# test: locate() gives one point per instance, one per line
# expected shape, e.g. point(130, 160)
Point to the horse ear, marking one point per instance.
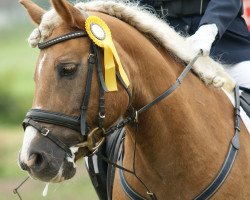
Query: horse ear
point(34, 10)
point(71, 15)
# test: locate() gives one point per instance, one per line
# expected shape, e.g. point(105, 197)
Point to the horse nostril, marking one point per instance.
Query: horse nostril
point(36, 161)
point(23, 166)
point(39, 160)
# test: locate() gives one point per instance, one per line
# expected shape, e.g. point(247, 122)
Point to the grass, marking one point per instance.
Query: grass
point(17, 65)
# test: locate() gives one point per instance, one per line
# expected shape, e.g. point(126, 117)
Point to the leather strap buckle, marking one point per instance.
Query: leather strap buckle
point(102, 116)
point(91, 58)
point(46, 132)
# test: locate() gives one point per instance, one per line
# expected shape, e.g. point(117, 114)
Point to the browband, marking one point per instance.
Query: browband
point(71, 35)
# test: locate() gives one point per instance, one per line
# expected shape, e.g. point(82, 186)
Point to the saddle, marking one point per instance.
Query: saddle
point(245, 100)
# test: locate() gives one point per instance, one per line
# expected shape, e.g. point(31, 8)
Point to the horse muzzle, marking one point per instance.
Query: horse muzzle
point(43, 160)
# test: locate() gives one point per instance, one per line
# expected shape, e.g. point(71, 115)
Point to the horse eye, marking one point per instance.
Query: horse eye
point(67, 69)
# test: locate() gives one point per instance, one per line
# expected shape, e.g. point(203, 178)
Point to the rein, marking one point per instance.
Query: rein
point(78, 123)
point(165, 94)
point(217, 182)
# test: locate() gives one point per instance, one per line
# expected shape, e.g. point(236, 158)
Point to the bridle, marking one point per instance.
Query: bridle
point(78, 123)
point(36, 116)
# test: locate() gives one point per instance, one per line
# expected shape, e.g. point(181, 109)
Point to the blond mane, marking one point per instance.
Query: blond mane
point(144, 20)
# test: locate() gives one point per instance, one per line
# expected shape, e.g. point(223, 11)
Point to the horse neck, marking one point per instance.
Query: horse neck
point(180, 132)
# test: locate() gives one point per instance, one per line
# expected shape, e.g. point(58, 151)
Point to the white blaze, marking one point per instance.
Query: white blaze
point(29, 135)
point(40, 66)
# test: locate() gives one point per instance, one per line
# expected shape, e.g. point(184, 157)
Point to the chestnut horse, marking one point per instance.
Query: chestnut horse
point(182, 141)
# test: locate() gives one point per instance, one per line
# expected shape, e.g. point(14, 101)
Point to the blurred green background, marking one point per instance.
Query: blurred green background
point(17, 65)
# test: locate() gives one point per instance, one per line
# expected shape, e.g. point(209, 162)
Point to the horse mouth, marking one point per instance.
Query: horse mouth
point(65, 172)
point(68, 171)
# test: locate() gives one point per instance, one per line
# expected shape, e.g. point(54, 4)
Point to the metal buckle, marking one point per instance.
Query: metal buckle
point(46, 133)
point(91, 58)
point(92, 146)
point(95, 149)
point(136, 117)
point(91, 55)
point(101, 116)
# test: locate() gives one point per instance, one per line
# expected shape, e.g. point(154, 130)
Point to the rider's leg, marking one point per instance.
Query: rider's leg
point(241, 73)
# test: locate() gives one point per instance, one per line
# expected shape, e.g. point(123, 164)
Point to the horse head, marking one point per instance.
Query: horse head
point(72, 111)
point(69, 100)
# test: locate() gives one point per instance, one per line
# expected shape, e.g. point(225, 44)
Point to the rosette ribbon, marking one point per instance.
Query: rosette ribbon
point(100, 34)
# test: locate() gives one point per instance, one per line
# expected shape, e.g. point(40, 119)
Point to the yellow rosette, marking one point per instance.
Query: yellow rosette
point(100, 34)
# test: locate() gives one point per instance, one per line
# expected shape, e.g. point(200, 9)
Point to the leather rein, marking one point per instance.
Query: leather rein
point(78, 123)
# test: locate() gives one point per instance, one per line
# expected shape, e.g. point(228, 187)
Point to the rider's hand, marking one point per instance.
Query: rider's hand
point(203, 39)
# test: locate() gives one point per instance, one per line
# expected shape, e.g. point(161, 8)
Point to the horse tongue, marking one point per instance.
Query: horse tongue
point(45, 191)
